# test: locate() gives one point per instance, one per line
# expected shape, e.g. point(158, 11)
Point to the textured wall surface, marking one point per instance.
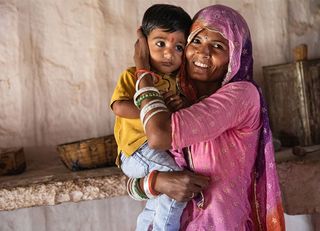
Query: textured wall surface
point(60, 60)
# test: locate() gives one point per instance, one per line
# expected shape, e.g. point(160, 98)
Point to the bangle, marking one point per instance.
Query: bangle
point(152, 114)
point(141, 77)
point(134, 191)
point(153, 95)
point(149, 106)
point(146, 187)
point(151, 182)
point(144, 90)
point(154, 75)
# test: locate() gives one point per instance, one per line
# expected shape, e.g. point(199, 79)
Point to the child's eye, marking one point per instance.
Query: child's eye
point(179, 48)
point(160, 44)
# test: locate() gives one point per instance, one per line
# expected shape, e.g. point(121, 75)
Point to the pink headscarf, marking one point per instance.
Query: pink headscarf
point(267, 196)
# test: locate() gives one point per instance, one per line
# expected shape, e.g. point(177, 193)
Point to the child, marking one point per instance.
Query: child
point(166, 28)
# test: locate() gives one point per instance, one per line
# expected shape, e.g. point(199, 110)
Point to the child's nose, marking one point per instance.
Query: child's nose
point(168, 54)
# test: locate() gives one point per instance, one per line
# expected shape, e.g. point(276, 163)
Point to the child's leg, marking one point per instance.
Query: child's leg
point(167, 211)
point(163, 211)
point(144, 160)
point(146, 217)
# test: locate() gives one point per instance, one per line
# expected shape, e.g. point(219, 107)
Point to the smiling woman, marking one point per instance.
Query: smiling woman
point(224, 136)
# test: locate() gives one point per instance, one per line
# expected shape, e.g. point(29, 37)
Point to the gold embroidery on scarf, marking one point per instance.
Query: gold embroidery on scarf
point(256, 201)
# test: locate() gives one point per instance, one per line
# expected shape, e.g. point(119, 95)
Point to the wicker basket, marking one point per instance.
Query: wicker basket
point(89, 153)
point(12, 161)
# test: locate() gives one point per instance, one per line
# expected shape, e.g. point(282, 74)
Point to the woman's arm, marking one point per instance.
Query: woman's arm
point(181, 185)
point(158, 129)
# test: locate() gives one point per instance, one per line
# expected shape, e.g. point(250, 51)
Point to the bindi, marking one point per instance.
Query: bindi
point(171, 38)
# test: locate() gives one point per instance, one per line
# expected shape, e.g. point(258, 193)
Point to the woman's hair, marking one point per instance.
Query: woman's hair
point(170, 18)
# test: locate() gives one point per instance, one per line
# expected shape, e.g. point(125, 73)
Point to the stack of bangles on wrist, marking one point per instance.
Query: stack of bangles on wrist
point(136, 193)
point(154, 106)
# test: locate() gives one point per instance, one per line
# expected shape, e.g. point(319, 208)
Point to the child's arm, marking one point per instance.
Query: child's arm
point(125, 109)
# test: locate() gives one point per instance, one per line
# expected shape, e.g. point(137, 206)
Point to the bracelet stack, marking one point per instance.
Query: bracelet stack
point(136, 193)
point(148, 185)
point(155, 106)
point(134, 190)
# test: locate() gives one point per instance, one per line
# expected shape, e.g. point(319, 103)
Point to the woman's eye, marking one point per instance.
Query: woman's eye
point(160, 44)
point(179, 48)
point(218, 46)
point(196, 41)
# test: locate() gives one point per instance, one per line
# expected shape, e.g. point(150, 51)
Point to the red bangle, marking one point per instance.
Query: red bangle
point(151, 182)
point(155, 77)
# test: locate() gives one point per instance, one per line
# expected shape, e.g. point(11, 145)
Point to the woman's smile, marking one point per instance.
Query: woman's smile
point(200, 64)
point(207, 56)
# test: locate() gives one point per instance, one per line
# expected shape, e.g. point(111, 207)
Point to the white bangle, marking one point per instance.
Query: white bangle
point(143, 90)
point(150, 105)
point(141, 77)
point(146, 187)
point(132, 190)
point(149, 117)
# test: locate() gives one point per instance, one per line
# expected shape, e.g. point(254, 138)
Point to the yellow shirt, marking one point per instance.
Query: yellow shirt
point(129, 133)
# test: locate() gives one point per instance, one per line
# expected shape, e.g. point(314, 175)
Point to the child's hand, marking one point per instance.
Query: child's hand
point(174, 102)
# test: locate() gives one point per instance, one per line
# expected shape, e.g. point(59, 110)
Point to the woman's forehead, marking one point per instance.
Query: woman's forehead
point(210, 34)
point(213, 32)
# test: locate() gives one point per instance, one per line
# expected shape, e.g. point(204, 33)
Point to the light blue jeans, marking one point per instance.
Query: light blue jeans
point(161, 213)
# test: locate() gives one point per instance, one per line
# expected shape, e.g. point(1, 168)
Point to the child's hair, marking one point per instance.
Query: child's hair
point(170, 18)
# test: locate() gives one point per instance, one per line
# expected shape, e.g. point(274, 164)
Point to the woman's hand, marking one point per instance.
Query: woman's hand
point(141, 52)
point(181, 185)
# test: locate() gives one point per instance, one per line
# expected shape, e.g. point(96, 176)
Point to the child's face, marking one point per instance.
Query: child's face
point(166, 50)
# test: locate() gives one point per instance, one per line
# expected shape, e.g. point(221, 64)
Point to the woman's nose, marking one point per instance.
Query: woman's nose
point(204, 50)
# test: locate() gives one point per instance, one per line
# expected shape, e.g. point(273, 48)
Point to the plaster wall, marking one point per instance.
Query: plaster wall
point(60, 60)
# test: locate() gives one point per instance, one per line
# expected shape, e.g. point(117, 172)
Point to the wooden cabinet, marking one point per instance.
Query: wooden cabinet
point(293, 97)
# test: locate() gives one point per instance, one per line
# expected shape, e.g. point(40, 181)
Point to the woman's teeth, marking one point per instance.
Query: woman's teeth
point(198, 64)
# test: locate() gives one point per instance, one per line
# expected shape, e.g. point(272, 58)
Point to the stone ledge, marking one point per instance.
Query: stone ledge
point(53, 193)
point(48, 182)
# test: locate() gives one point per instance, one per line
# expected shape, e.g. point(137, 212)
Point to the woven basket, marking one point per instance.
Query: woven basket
point(89, 153)
point(12, 161)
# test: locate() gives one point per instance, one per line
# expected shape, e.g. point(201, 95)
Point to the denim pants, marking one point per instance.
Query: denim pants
point(161, 213)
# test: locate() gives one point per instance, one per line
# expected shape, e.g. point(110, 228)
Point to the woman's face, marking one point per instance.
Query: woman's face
point(207, 57)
